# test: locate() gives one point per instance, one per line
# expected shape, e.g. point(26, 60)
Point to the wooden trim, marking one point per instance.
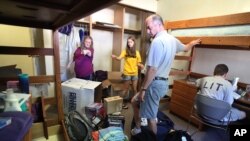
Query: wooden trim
point(178, 57)
point(192, 54)
point(42, 79)
point(25, 50)
point(223, 47)
point(118, 36)
point(239, 41)
point(33, 79)
point(49, 101)
point(65, 132)
point(233, 19)
point(179, 72)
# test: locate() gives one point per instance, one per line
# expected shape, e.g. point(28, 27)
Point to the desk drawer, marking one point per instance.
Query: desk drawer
point(184, 90)
point(186, 103)
point(188, 94)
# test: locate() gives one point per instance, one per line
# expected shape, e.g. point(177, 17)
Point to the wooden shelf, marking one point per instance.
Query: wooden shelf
point(103, 27)
point(132, 31)
point(237, 41)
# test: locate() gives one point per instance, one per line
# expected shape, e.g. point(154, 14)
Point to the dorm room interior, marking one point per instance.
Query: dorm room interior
point(31, 44)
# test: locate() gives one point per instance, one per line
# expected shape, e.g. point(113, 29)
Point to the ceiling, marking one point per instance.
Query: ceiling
point(48, 14)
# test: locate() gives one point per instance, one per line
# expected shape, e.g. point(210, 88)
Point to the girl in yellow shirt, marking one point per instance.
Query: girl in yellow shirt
point(132, 60)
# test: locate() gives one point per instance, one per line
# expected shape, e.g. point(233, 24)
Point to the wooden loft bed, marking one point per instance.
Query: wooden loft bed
point(46, 14)
point(227, 42)
point(239, 42)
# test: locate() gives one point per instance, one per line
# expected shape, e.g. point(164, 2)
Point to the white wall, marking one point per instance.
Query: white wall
point(150, 5)
point(206, 59)
point(188, 9)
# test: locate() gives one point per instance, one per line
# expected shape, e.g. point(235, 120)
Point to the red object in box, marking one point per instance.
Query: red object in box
point(94, 109)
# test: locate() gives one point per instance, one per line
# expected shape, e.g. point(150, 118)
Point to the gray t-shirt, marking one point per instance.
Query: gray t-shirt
point(162, 52)
point(216, 87)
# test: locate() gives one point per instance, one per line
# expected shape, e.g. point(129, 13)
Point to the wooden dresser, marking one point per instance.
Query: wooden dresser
point(182, 99)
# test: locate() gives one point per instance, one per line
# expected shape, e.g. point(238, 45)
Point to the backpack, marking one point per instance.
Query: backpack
point(164, 125)
point(78, 126)
point(101, 75)
point(36, 110)
point(178, 135)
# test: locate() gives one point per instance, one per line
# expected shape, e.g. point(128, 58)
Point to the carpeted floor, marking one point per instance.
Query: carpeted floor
point(208, 134)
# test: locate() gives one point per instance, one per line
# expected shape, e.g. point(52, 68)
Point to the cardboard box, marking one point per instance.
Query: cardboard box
point(78, 93)
point(115, 76)
point(113, 104)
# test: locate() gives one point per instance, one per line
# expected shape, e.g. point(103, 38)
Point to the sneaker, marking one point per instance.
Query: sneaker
point(144, 122)
point(156, 119)
point(135, 131)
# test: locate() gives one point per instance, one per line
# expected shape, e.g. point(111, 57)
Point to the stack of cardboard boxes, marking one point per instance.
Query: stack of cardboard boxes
point(82, 95)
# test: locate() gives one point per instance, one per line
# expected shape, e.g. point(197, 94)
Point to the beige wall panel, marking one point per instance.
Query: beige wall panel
point(20, 36)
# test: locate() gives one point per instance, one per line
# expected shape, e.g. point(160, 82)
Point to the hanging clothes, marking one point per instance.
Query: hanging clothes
point(81, 34)
point(66, 29)
point(68, 44)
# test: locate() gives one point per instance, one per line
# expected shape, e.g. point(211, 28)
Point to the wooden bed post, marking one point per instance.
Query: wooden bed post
point(58, 89)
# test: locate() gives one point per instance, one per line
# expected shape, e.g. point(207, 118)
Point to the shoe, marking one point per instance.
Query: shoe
point(135, 131)
point(144, 122)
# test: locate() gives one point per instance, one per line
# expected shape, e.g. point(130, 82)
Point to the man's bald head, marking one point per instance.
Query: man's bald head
point(154, 24)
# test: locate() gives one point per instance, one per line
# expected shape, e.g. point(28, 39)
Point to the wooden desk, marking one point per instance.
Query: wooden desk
point(243, 103)
point(244, 100)
point(182, 100)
